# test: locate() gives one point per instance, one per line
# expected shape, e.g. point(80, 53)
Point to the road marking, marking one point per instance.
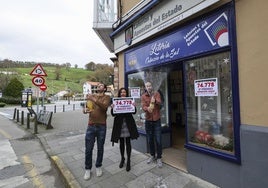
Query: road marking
point(7, 155)
point(13, 181)
point(4, 114)
point(8, 116)
point(5, 134)
point(8, 158)
point(33, 173)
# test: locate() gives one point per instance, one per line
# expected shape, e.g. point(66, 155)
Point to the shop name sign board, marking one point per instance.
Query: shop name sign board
point(165, 15)
point(123, 105)
point(166, 11)
point(206, 87)
point(202, 36)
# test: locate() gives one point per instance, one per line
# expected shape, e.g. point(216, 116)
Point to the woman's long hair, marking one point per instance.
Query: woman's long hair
point(119, 91)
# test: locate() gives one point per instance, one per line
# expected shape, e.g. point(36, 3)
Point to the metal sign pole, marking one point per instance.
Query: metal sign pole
point(43, 94)
point(37, 100)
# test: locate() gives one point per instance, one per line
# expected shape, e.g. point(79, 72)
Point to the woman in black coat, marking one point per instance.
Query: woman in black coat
point(124, 129)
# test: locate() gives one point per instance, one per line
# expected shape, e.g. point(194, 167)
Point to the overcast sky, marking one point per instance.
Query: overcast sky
point(52, 31)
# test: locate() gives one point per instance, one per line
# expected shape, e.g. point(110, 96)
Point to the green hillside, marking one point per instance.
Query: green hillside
point(72, 78)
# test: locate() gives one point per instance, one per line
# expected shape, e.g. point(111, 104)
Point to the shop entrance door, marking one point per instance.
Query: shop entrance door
point(177, 111)
point(176, 154)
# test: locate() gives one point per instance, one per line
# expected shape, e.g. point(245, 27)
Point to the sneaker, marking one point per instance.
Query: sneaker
point(98, 172)
point(159, 163)
point(150, 160)
point(87, 175)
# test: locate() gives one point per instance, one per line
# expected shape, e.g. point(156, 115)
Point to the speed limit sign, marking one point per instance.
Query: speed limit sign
point(38, 81)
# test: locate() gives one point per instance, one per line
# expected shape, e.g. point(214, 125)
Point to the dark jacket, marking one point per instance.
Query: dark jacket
point(118, 121)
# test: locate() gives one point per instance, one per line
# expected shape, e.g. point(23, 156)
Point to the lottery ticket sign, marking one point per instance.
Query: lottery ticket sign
point(135, 92)
point(123, 105)
point(206, 87)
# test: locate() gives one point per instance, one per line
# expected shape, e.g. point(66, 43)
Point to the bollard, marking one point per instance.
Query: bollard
point(63, 108)
point(73, 107)
point(18, 115)
point(22, 117)
point(35, 125)
point(28, 120)
point(55, 108)
point(45, 108)
point(49, 126)
point(14, 114)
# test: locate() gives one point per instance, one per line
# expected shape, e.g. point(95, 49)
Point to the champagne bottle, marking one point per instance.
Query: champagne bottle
point(151, 105)
point(90, 106)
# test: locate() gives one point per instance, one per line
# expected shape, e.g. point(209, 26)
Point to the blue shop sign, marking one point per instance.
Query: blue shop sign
point(202, 36)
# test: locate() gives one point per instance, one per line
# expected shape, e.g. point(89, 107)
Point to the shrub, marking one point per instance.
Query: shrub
point(14, 101)
point(2, 104)
point(13, 88)
point(10, 100)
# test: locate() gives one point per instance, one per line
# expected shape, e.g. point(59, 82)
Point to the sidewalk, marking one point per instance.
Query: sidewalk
point(65, 146)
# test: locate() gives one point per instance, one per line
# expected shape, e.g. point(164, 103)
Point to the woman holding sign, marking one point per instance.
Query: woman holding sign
point(124, 128)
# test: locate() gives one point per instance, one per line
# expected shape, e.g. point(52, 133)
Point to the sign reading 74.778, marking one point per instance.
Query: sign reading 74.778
point(123, 105)
point(206, 87)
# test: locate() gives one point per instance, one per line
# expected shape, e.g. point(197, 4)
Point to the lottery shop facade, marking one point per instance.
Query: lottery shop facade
point(195, 60)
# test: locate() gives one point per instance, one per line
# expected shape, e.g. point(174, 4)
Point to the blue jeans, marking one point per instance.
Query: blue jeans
point(154, 135)
point(94, 131)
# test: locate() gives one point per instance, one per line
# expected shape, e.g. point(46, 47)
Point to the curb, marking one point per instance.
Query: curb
point(69, 179)
point(67, 176)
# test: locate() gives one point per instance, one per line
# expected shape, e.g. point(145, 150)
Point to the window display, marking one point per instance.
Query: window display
point(209, 102)
point(136, 88)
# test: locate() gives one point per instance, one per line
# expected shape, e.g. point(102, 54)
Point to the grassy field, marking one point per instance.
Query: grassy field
point(72, 78)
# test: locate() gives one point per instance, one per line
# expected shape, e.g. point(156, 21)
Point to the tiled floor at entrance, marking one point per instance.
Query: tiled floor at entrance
point(175, 157)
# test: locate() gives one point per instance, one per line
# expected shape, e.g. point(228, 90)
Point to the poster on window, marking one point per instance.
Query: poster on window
point(135, 92)
point(206, 87)
point(123, 105)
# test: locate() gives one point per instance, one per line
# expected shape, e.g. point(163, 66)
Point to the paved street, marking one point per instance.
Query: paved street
point(65, 146)
point(58, 106)
point(23, 160)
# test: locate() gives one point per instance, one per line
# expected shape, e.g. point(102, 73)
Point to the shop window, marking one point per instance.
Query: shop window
point(136, 82)
point(209, 103)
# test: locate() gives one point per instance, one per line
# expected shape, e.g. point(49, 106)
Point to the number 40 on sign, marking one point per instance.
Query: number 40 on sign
point(38, 81)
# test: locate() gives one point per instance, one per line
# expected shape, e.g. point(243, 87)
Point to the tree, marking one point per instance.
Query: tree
point(4, 80)
point(14, 88)
point(90, 66)
point(103, 74)
point(68, 66)
point(57, 72)
point(92, 78)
